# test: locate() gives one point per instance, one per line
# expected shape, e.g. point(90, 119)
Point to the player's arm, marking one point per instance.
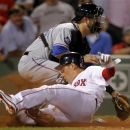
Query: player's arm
point(107, 73)
point(89, 58)
point(110, 64)
point(61, 43)
point(99, 59)
point(109, 70)
point(111, 91)
point(58, 50)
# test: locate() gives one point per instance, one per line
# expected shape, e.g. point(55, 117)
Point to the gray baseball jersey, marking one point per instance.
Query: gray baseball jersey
point(37, 62)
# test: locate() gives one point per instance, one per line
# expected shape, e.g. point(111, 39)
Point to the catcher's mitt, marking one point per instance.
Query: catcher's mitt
point(122, 107)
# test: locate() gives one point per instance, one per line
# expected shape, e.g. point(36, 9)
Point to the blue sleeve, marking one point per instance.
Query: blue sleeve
point(57, 50)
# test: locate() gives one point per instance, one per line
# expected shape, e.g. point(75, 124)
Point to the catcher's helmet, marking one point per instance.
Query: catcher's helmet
point(72, 57)
point(89, 10)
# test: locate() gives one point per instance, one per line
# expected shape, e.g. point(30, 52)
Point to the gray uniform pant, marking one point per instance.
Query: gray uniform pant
point(35, 66)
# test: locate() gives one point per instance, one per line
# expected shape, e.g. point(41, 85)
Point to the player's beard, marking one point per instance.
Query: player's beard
point(95, 27)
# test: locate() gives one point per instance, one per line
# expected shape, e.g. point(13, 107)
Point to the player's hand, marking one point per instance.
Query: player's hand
point(115, 94)
point(91, 59)
point(104, 58)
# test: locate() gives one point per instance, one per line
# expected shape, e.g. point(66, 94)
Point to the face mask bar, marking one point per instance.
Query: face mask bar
point(98, 20)
point(98, 24)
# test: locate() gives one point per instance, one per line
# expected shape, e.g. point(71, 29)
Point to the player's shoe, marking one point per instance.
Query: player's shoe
point(7, 101)
point(98, 120)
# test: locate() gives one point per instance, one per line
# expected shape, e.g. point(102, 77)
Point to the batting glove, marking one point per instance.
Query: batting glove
point(104, 58)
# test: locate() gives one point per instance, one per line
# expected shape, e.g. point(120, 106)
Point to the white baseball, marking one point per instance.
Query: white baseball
point(117, 61)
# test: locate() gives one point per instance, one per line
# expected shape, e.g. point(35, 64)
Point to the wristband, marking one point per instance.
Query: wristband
point(109, 89)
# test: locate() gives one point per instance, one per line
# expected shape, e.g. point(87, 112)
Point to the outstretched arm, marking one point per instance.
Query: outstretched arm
point(109, 64)
point(89, 58)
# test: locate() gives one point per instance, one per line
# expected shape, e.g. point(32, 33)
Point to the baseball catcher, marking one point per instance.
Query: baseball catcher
point(40, 59)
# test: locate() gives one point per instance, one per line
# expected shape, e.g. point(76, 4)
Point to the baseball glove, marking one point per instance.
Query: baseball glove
point(122, 107)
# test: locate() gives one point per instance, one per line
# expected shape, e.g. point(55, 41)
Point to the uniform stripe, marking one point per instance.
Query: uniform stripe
point(39, 64)
point(57, 50)
point(55, 88)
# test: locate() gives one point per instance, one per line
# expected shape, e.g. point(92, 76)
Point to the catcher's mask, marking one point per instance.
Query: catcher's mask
point(72, 57)
point(92, 11)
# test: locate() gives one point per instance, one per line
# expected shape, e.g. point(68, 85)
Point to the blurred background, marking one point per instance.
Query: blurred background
point(36, 16)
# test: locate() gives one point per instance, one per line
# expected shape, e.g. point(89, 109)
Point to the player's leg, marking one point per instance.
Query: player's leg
point(58, 115)
point(46, 115)
point(11, 102)
point(23, 99)
point(8, 102)
point(35, 66)
point(42, 72)
point(23, 115)
point(60, 96)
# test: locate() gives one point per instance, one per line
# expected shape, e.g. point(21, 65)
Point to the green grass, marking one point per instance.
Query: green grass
point(64, 128)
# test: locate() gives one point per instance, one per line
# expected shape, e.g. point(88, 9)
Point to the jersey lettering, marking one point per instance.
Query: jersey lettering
point(81, 82)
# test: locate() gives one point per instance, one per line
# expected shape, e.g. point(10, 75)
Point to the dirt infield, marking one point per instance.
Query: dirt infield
point(110, 121)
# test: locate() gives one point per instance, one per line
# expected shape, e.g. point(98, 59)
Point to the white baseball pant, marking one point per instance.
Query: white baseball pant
point(74, 105)
point(50, 109)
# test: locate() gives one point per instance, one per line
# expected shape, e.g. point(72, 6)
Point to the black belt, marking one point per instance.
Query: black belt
point(43, 40)
point(96, 103)
point(26, 53)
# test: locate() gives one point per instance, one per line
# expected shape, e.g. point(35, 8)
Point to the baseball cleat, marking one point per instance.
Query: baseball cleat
point(7, 101)
point(98, 120)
